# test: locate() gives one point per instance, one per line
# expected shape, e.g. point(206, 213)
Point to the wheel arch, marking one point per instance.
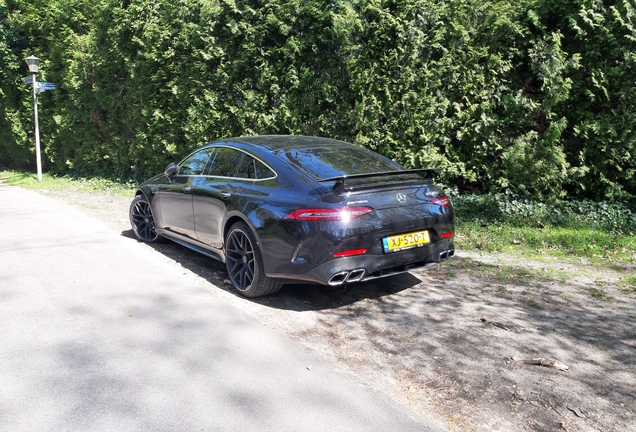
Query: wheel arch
point(141, 191)
point(238, 267)
point(233, 217)
point(147, 193)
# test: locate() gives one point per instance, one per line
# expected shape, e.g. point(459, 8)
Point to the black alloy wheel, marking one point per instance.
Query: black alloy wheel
point(143, 224)
point(245, 264)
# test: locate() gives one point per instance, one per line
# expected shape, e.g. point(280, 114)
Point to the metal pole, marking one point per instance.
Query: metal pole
point(37, 130)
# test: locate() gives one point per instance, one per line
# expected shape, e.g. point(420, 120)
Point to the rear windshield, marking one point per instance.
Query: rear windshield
point(327, 162)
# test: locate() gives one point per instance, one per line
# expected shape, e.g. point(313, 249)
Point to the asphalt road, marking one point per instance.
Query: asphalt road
point(101, 333)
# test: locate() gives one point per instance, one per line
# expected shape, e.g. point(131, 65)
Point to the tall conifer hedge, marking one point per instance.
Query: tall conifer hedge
point(532, 96)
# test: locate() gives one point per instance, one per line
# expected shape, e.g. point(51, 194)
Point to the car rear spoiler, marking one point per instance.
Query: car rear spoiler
point(339, 185)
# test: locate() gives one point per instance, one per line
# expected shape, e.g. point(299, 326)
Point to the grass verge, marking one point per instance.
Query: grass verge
point(49, 182)
point(559, 243)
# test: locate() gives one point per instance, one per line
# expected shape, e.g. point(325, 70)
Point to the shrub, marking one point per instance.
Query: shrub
point(567, 213)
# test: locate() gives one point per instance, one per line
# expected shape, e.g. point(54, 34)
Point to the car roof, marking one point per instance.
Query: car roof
point(286, 142)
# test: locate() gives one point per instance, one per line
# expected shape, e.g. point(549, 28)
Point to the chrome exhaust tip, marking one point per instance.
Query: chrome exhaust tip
point(356, 275)
point(443, 256)
point(338, 278)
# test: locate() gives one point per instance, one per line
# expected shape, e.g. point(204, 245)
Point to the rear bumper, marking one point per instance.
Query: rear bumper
point(366, 267)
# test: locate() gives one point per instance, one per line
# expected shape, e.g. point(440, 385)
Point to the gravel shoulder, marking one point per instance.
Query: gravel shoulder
point(458, 342)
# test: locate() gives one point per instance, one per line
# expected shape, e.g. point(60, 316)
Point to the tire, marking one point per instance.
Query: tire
point(142, 220)
point(244, 263)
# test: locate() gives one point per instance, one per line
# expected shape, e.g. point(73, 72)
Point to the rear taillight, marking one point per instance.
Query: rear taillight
point(441, 200)
point(447, 234)
point(328, 214)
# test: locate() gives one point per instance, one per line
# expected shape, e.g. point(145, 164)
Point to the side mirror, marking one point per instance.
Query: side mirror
point(170, 171)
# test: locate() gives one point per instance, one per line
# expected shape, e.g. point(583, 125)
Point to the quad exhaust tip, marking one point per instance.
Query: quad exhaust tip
point(443, 256)
point(358, 274)
point(338, 278)
point(355, 275)
point(346, 276)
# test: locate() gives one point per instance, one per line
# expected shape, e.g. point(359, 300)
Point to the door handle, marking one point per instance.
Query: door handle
point(186, 189)
point(224, 195)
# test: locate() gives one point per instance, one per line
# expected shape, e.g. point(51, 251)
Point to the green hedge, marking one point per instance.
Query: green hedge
point(533, 97)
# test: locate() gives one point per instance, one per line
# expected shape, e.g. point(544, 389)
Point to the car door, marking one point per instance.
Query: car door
point(213, 194)
point(175, 197)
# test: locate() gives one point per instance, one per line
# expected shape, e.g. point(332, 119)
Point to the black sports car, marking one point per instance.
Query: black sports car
point(282, 209)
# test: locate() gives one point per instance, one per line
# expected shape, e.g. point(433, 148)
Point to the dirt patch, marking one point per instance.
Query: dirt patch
point(450, 342)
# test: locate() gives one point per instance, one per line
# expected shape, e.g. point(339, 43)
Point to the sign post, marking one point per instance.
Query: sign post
point(38, 155)
point(38, 87)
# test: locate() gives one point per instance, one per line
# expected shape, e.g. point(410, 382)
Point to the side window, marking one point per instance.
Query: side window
point(251, 168)
point(262, 171)
point(225, 163)
point(246, 169)
point(195, 163)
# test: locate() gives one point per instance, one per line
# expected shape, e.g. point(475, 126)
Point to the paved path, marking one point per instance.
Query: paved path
point(101, 333)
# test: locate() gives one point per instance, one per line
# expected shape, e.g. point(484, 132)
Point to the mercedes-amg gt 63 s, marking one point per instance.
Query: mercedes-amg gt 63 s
point(290, 209)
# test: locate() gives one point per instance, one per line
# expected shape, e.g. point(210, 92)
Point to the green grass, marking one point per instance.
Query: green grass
point(49, 182)
point(507, 273)
point(559, 275)
point(597, 293)
point(554, 242)
point(499, 275)
point(629, 284)
point(533, 304)
point(630, 280)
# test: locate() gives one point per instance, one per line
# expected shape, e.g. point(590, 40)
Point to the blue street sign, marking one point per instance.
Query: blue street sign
point(41, 86)
point(27, 80)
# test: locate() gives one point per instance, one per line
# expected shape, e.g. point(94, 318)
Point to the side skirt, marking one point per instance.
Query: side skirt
point(198, 247)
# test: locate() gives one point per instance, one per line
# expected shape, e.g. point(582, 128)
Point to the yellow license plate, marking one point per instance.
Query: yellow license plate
point(405, 241)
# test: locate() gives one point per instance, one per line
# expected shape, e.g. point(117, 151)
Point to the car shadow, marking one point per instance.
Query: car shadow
point(295, 297)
